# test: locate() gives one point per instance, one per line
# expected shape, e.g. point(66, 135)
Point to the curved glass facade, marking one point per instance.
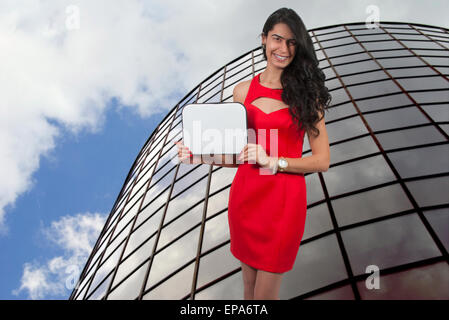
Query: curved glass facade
point(382, 205)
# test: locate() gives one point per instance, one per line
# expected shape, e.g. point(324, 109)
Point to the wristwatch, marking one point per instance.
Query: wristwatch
point(282, 164)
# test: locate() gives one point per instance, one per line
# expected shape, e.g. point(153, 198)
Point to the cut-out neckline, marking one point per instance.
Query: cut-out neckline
point(268, 112)
point(259, 84)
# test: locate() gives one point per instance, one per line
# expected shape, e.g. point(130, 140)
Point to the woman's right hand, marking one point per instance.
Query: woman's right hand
point(184, 154)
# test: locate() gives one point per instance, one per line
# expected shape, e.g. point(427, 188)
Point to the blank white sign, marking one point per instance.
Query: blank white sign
point(214, 128)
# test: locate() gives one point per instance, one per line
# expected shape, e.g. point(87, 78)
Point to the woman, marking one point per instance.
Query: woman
point(267, 212)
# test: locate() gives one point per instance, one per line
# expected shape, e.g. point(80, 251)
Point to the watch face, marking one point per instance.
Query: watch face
point(282, 163)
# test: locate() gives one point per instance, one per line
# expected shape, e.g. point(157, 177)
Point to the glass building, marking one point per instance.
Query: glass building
point(378, 217)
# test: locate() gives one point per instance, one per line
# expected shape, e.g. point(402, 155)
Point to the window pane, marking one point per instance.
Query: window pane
point(423, 83)
point(445, 127)
point(368, 76)
point(352, 149)
point(388, 243)
point(344, 129)
point(421, 161)
point(411, 72)
point(390, 53)
point(409, 36)
point(157, 187)
point(330, 33)
point(221, 178)
point(144, 232)
point(328, 72)
point(317, 221)
point(344, 293)
point(337, 51)
point(311, 270)
point(175, 288)
point(100, 291)
point(216, 231)
point(357, 175)
point(184, 201)
point(398, 286)
point(362, 29)
point(431, 52)
point(130, 288)
point(218, 202)
point(420, 44)
point(438, 112)
point(340, 112)
point(430, 192)
point(185, 182)
point(333, 84)
point(174, 229)
point(370, 204)
point(373, 37)
point(396, 118)
point(373, 89)
point(350, 58)
point(230, 288)
point(410, 137)
point(439, 220)
point(216, 264)
point(105, 269)
point(157, 204)
point(356, 67)
point(395, 100)
point(343, 38)
point(314, 190)
point(154, 195)
point(130, 263)
point(173, 257)
point(435, 96)
point(382, 45)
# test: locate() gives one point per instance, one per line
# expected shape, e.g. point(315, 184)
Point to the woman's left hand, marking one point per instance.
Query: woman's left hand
point(255, 153)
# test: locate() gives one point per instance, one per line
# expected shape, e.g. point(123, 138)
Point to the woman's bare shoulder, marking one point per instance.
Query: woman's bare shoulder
point(241, 90)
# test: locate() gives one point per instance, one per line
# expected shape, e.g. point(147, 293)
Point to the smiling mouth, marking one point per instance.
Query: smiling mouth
point(280, 58)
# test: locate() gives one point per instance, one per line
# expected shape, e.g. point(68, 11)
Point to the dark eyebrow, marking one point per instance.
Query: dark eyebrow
point(276, 35)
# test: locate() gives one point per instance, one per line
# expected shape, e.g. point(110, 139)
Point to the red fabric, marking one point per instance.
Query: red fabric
point(267, 213)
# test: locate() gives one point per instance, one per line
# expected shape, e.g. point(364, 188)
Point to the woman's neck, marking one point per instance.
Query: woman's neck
point(271, 77)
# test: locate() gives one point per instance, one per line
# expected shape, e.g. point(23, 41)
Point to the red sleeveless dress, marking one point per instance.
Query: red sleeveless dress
point(266, 212)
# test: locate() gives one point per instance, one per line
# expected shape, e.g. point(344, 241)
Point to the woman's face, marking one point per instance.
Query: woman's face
point(279, 45)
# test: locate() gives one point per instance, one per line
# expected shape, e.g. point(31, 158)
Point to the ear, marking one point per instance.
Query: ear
point(264, 39)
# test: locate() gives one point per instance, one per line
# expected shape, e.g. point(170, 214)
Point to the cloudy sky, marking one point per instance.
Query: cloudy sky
point(84, 83)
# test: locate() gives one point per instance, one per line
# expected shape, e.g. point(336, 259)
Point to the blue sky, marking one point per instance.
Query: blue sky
point(84, 84)
point(84, 173)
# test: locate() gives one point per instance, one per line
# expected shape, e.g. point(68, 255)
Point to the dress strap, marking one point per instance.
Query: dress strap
point(256, 90)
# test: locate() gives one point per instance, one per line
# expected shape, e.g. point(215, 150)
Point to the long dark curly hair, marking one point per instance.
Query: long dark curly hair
point(302, 80)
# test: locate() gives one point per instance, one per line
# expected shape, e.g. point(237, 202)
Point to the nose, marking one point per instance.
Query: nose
point(284, 46)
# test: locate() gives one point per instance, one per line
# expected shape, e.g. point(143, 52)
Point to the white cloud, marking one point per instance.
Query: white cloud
point(147, 54)
point(75, 236)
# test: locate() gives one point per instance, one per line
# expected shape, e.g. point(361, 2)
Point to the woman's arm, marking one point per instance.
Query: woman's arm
point(319, 161)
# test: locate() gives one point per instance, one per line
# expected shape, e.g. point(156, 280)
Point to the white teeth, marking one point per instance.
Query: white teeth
point(280, 57)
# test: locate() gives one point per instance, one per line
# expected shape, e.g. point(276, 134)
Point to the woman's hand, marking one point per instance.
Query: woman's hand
point(255, 153)
point(184, 154)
